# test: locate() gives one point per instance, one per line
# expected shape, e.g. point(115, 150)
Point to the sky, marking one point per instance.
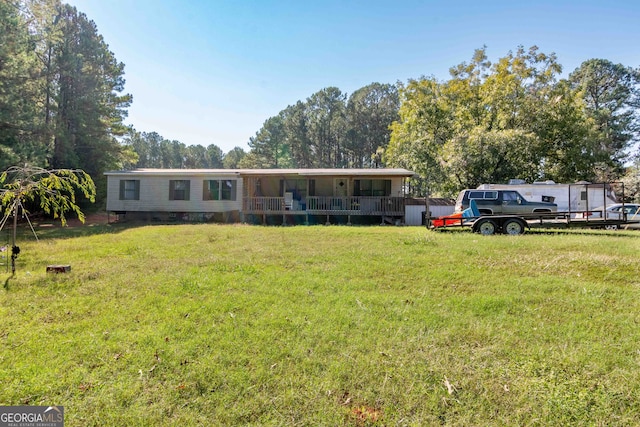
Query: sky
point(212, 72)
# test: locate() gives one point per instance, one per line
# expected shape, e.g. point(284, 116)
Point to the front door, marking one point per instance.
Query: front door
point(340, 187)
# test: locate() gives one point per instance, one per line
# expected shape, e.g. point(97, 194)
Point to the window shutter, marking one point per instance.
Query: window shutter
point(137, 190)
point(233, 189)
point(206, 193)
point(122, 181)
point(312, 187)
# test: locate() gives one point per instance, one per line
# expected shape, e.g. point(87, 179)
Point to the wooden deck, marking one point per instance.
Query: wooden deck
point(387, 209)
point(372, 206)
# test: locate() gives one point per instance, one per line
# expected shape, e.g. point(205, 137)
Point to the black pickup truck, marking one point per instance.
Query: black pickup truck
point(495, 202)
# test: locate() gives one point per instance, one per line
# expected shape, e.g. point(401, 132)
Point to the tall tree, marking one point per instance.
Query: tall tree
point(327, 126)
point(269, 146)
point(370, 112)
point(493, 122)
point(612, 96)
point(173, 154)
point(20, 126)
point(233, 158)
point(195, 157)
point(296, 130)
point(214, 157)
point(147, 147)
point(631, 180)
point(90, 109)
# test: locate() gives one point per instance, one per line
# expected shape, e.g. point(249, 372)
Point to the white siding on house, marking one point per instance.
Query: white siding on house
point(154, 194)
point(153, 186)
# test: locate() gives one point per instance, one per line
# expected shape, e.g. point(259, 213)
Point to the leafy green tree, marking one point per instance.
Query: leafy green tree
point(90, 110)
point(492, 122)
point(612, 96)
point(370, 111)
point(233, 158)
point(296, 130)
point(54, 190)
point(20, 125)
point(631, 180)
point(214, 157)
point(566, 136)
point(426, 123)
point(195, 157)
point(151, 150)
point(327, 127)
point(147, 148)
point(172, 154)
point(250, 161)
point(269, 147)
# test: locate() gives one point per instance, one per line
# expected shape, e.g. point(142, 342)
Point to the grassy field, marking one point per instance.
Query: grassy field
point(323, 326)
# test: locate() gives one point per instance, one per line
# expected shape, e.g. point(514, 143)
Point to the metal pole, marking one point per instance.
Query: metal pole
point(427, 204)
point(14, 249)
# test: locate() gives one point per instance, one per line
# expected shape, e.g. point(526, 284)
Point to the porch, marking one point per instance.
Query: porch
point(389, 209)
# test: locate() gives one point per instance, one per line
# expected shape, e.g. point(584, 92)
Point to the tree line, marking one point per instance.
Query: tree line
point(61, 100)
point(328, 130)
point(154, 151)
point(62, 105)
point(516, 118)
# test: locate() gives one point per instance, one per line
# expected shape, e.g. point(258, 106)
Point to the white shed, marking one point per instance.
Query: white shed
point(415, 209)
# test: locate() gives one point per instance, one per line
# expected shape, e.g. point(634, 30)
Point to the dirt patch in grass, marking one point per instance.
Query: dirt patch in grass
point(98, 218)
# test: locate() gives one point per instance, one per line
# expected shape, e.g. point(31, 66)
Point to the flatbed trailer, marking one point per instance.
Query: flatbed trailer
point(517, 224)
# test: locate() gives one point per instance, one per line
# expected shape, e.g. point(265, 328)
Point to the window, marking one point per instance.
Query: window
point(487, 195)
point(510, 196)
point(179, 189)
point(130, 189)
point(298, 187)
point(372, 187)
point(219, 189)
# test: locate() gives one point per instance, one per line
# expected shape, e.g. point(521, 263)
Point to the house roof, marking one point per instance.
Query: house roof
point(327, 172)
point(266, 172)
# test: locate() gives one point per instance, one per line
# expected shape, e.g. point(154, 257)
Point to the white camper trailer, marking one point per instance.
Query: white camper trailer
point(578, 197)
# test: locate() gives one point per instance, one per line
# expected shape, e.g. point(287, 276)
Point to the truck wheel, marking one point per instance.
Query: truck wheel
point(513, 227)
point(486, 227)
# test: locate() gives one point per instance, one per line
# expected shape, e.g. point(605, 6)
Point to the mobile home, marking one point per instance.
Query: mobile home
point(269, 196)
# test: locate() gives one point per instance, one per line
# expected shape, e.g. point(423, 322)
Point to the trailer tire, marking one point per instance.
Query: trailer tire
point(486, 227)
point(513, 227)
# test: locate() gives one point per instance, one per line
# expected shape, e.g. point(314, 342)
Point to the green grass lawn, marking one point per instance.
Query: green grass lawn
point(323, 326)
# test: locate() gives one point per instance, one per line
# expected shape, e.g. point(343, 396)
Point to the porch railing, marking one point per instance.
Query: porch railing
point(323, 205)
